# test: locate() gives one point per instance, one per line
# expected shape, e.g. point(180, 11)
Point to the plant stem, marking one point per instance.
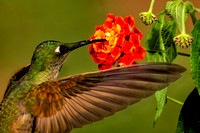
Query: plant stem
point(197, 9)
point(183, 20)
point(179, 53)
point(183, 54)
point(151, 6)
point(193, 17)
point(192, 11)
point(174, 100)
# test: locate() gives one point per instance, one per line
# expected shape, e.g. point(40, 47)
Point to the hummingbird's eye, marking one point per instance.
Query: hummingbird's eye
point(62, 49)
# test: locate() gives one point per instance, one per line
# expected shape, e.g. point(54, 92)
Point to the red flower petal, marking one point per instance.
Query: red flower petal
point(100, 28)
point(98, 46)
point(128, 47)
point(100, 57)
point(109, 60)
point(109, 22)
point(91, 49)
point(104, 66)
point(127, 59)
point(139, 53)
point(130, 20)
point(137, 31)
point(120, 40)
point(93, 37)
point(135, 39)
point(116, 53)
point(111, 15)
point(94, 58)
point(127, 29)
point(120, 21)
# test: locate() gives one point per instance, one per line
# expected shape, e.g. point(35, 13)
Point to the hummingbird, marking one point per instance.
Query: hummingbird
point(36, 101)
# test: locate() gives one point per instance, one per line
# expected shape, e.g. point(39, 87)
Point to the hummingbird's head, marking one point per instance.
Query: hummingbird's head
point(50, 55)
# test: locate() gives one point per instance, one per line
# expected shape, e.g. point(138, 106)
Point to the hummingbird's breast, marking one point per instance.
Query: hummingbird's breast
point(12, 111)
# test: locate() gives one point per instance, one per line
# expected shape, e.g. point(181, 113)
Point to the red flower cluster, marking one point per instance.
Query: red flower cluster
point(122, 45)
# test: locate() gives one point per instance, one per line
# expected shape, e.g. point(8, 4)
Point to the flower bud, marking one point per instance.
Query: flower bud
point(147, 17)
point(183, 40)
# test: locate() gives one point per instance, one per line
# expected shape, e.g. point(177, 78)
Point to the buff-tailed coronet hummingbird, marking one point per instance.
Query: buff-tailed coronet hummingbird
point(36, 101)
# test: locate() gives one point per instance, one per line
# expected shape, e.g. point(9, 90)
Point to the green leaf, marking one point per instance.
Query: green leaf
point(154, 42)
point(195, 55)
point(161, 48)
point(189, 117)
point(190, 7)
point(161, 97)
point(155, 53)
point(178, 11)
point(168, 33)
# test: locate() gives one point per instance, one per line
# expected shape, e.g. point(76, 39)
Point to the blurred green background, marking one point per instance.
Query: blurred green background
point(24, 24)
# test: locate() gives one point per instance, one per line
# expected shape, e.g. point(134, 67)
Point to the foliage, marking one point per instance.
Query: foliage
point(123, 44)
point(161, 44)
point(195, 55)
point(161, 48)
point(189, 117)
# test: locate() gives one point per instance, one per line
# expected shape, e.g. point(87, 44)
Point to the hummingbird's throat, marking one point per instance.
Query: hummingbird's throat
point(42, 76)
point(46, 69)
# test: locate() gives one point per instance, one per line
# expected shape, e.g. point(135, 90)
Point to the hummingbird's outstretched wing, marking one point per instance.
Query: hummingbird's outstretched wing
point(77, 100)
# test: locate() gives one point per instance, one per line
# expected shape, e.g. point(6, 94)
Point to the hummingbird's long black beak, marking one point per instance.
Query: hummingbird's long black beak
point(83, 43)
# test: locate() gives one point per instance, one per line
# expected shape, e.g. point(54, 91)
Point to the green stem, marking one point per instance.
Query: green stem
point(183, 54)
point(174, 100)
point(197, 10)
point(179, 53)
point(183, 19)
point(193, 17)
point(155, 50)
point(192, 11)
point(151, 6)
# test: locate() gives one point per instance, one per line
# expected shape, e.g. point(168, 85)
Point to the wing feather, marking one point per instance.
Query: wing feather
point(77, 100)
point(126, 92)
point(91, 115)
point(95, 109)
point(77, 113)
